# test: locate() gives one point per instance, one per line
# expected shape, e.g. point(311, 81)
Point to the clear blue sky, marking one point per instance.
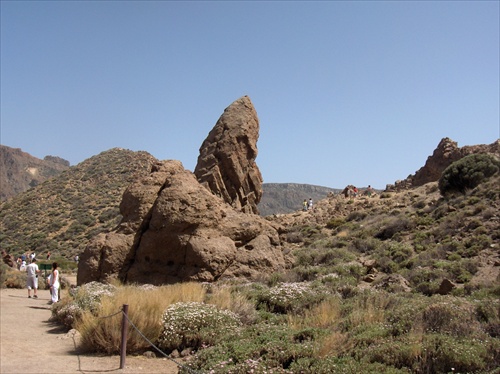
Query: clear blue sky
point(346, 92)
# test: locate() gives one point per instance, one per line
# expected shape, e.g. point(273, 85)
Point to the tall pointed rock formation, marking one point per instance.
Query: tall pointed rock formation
point(226, 164)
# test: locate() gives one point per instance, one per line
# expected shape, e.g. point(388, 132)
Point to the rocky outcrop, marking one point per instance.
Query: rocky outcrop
point(8, 259)
point(226, 164)
point(174, 229)
point(445, 154)
point(19, 171)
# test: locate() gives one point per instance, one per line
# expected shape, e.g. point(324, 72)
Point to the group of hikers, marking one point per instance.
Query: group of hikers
point(350, 192)
point(307, 205)
point(32, 272)
point(27, 262)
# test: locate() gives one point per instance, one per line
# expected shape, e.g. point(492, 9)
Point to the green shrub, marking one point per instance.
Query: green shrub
point(394, 226)
point(4, 268)
point(367, 245)
point(449, 318)
point(445, 354)
point(335, 223)
point(404, 316)
point(262, 348)
point(400, 353)
point(356, 216)
point(467, 173)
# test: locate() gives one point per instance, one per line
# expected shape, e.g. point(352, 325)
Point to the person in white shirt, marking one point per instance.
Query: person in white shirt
point(32, 279)
point(54, 283)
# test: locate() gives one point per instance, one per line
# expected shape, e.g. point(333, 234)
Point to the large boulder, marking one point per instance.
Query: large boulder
point(105, 255)
point(174, 229)
point(226, 164)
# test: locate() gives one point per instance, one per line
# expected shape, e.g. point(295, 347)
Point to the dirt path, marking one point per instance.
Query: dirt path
point(30, 343)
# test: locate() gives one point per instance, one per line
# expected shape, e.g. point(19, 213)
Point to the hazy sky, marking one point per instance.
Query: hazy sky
point(346, 92)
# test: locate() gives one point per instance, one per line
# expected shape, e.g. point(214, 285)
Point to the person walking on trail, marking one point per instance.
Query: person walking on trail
point(369, 190)
point(304, 205)
point(310, 204)
point(54, 283)
point(32, 280)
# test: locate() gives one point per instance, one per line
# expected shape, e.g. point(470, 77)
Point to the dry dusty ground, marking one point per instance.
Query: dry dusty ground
point(30, 343)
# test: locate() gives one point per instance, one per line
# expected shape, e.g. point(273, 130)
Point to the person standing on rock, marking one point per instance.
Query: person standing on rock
point(32, 280)
point(304, 205)
point(310, 204)
point(54, 283)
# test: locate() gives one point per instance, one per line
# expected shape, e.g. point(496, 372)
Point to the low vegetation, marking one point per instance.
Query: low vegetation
point(468, 172)
point(364, 293)
point(361, 332)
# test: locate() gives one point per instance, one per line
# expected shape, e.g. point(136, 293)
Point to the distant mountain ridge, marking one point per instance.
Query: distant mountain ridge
point(288, 197)
point(20, 171)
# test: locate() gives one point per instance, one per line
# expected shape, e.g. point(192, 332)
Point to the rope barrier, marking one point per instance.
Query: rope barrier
point(159, 350)
point(112, 315)
point(121, 311)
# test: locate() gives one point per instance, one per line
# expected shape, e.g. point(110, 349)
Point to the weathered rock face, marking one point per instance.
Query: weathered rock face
point(174, 229)
point(180, 226)
point(226, 164)
point(445, 154)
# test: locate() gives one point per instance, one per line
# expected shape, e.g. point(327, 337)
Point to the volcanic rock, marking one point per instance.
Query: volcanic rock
point(446, 287)
point(444, 155)
point(174, 229)
point(226, 164)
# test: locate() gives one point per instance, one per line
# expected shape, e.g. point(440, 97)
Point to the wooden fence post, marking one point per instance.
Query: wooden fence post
point(123, 346)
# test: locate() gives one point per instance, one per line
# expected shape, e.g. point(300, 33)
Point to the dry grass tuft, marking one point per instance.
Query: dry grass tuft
point(370, 309)
point(225, 298)
point(333, 344)
point(325, 314)
point(146, 307)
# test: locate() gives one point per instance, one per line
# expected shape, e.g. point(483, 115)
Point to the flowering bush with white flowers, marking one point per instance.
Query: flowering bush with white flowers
point(88, 296)
point(286, 297)
point(66, 313)
point(83, 298)
point(194, 324)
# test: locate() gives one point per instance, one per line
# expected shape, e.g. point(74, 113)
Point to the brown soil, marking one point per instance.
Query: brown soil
point(31, 343)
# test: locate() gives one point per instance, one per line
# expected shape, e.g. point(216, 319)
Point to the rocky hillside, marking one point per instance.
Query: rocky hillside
point(288, 197)
point(411, 239)
point(19, 171)
point(62, 213)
